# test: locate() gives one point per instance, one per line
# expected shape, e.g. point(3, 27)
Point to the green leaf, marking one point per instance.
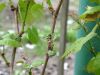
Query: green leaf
point(37, 63)
point(22, 5)
point(75, 27)
point(2, 6)
point(52, 53)
point(40, 48)
point(94, 65)
point(78, 44)
point(49, 2)
point(71, 35)
point(10, 42)
point(24, 38)
point(33, 35)
point(34, 64)
point(37, 11)
point(96, 1)
point(91, 14)
point(8, 35)
point(20, 61)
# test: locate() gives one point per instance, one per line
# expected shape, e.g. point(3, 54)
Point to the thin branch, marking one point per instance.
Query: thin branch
point(5, 59)
point(15, 11)
point(13, 59)
point(45, 65)
point(17, 22)
point(55, 15)
point(19, 34)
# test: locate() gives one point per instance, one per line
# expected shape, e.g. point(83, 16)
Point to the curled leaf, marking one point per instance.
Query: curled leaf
point(91, 14)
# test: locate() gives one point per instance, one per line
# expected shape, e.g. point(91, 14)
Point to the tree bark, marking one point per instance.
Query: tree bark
point(63, 30)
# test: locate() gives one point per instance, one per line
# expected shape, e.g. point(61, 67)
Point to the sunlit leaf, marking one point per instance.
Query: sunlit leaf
point(2, 6)
point(78, 44)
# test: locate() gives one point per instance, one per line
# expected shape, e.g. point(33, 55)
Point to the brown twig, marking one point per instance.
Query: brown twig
point(17, 22)
point(15, 11)
point(19, 34)
point(13, 59)
point(17, 26)
point(45, 65)
point(5, 59)
point(50, 47)
point(55, 15)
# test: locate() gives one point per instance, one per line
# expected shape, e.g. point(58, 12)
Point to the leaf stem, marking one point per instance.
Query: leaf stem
point(23, 25)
